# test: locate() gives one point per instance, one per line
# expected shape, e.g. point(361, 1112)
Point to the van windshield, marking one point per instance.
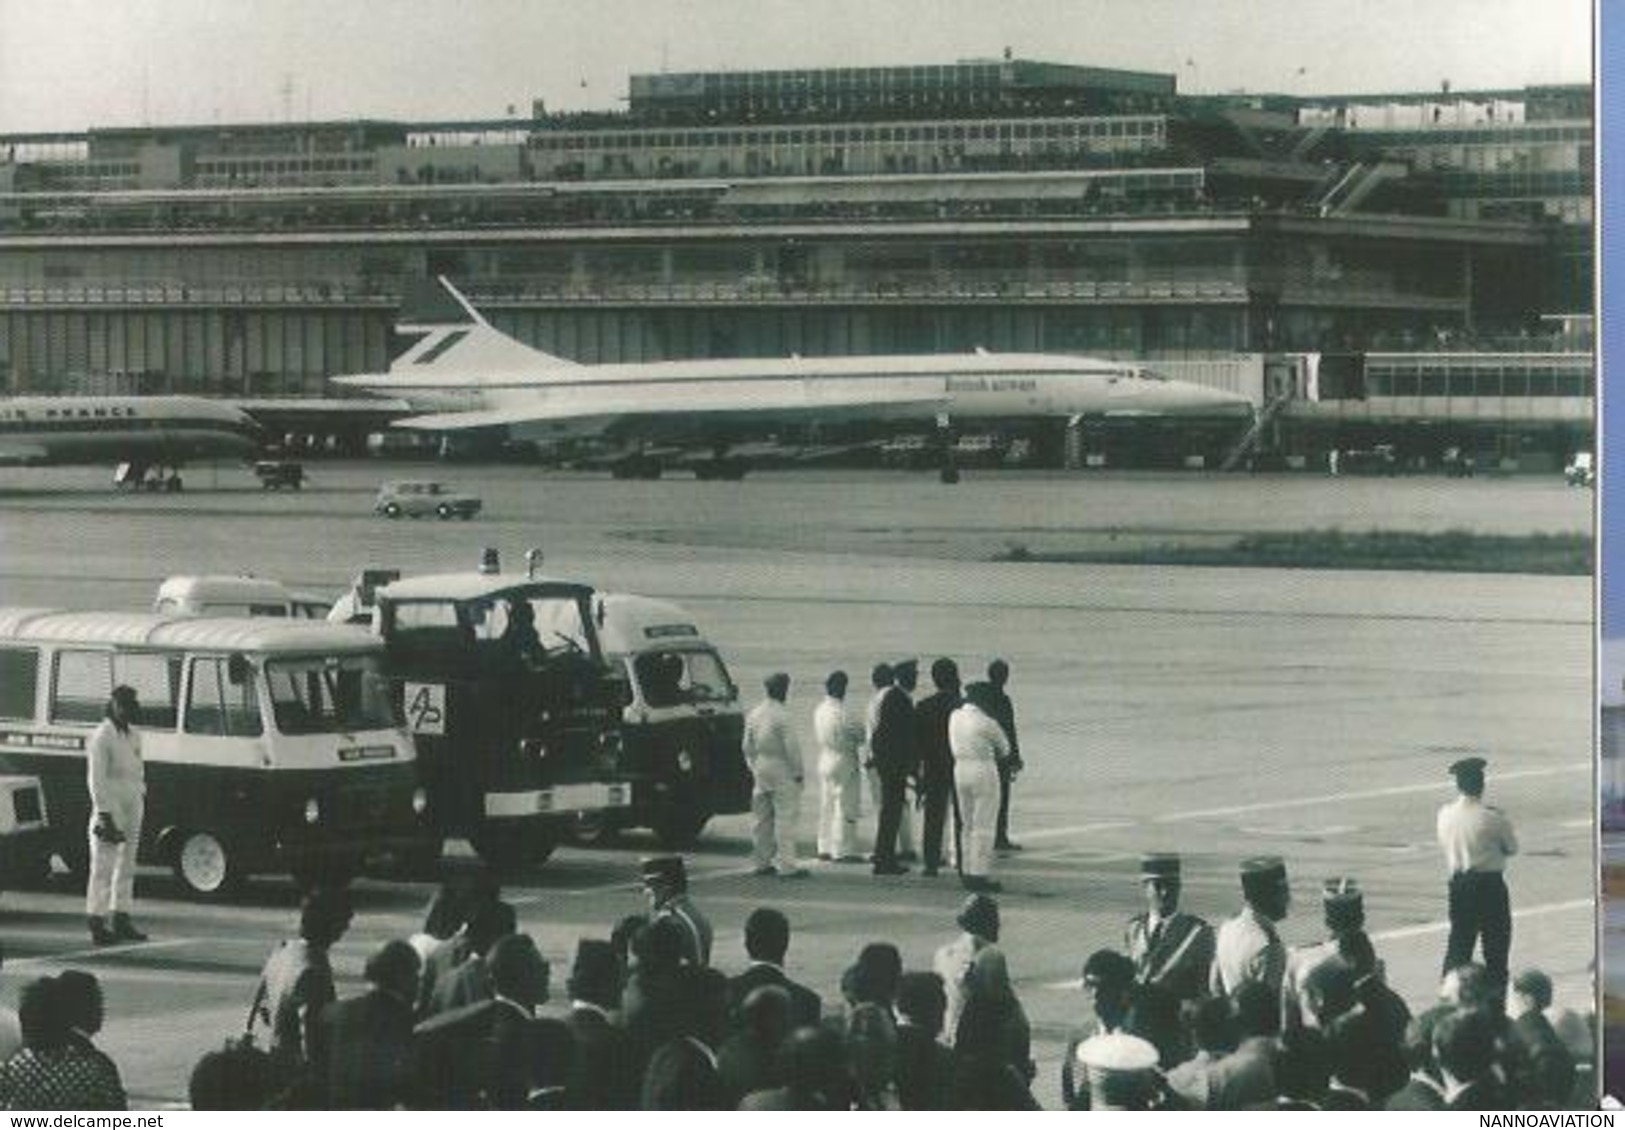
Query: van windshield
point(676, 677)
point(329, 695)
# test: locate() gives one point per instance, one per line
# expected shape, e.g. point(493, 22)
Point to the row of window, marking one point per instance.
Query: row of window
point(307, 696)
point(1149, 127)
point(1505, 383)
point(302, 165)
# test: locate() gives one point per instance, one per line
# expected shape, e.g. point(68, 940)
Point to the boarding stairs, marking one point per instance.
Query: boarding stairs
point(1255, 431)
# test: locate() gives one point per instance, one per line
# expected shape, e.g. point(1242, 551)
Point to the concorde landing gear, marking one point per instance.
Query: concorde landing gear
point(948, 468)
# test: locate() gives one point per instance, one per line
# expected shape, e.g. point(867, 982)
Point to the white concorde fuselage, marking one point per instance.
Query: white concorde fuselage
point(970, 386)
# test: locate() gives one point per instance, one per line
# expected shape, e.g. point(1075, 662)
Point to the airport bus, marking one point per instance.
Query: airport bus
point(682, 727)
point(270, 744)
point(516, 711)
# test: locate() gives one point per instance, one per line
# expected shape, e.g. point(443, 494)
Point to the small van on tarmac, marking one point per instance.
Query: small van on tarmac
point(236, 595)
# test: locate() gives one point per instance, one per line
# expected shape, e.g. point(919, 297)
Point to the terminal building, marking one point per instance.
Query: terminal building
point(1409, 270)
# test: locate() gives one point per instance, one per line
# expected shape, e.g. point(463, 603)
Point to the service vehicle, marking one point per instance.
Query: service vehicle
point(680, 738)
point(270, 745)
point(1581, 471)
point(236, 595)
point(503, 682)
point(274, 474)
point(420, 498)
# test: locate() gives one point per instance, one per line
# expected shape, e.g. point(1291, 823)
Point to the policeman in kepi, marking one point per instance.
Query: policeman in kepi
point(1477, 839)
point(1172, 951)
point(117, 797)
point(665, 881)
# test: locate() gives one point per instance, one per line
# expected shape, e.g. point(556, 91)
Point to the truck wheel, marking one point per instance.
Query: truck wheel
point(680, 826)
point(392, 510)
point(506, 849)
point(445, 512)
point(32, 873)
point(205, 866)
point(593, 830)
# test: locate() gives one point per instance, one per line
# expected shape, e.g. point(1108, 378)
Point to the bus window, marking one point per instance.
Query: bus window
point(315, 696)
point(215, 706)
point(84, 680)
point(156, 681)
point(18, 681)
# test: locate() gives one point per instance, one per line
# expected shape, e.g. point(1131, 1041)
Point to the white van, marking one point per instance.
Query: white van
point(270, 744)
point(236, 595)
point(680, 738)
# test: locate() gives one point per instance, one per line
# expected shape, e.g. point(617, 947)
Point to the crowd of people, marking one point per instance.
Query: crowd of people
point(1180, 1016)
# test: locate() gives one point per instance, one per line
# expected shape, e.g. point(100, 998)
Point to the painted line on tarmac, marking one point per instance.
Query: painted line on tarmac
point(1360, 794)
point(101, 951)
point(629, 885)
point(1078, 829)
point(1294, 802)
point(1443, 927)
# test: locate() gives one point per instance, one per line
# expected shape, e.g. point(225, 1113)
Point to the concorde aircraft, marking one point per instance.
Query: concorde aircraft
point(157, 434)
point(462, 374)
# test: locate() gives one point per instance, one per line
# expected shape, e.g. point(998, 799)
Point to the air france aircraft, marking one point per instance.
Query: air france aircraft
point(148, 433)
point(461, 374)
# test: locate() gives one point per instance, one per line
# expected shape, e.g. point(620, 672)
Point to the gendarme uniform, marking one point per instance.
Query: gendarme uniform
point(1344, 907)
point(670, 871)
point(1247, 947)
point(1477, 839)
point(1172, 952)
point(117, 784)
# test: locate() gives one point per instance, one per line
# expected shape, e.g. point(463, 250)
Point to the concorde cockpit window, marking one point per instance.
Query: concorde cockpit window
point(329, 695)
point(673, 678)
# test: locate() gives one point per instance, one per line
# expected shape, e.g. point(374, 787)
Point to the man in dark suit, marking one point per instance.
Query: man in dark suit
point(364, 1050)
point(892, 747)
point(767, 940)
point(1464, 1048)
point(602, 1075)
point(1004, 712)
point(1541, 1067)
point(469, 982)
point(924, 1066)
point(496, 1054)
point(936, 759)
point(1423, 1090)
point(747, 1061)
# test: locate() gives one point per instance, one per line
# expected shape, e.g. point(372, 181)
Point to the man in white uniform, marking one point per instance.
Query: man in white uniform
point(117, 797)
point(1248, 947)
point(1477, 840)
point(840, 736)
point(774, 757)
point(979, 744)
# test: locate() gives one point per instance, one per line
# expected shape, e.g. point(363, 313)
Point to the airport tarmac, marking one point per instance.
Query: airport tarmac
point(1218, 712)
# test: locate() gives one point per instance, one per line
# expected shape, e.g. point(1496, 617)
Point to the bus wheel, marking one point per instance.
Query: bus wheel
point(680, 826)
point(205, 867)
point(510, 850)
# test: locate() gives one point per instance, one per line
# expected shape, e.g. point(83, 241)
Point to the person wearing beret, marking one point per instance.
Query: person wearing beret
point(1477, 840)
point(1343, 905)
